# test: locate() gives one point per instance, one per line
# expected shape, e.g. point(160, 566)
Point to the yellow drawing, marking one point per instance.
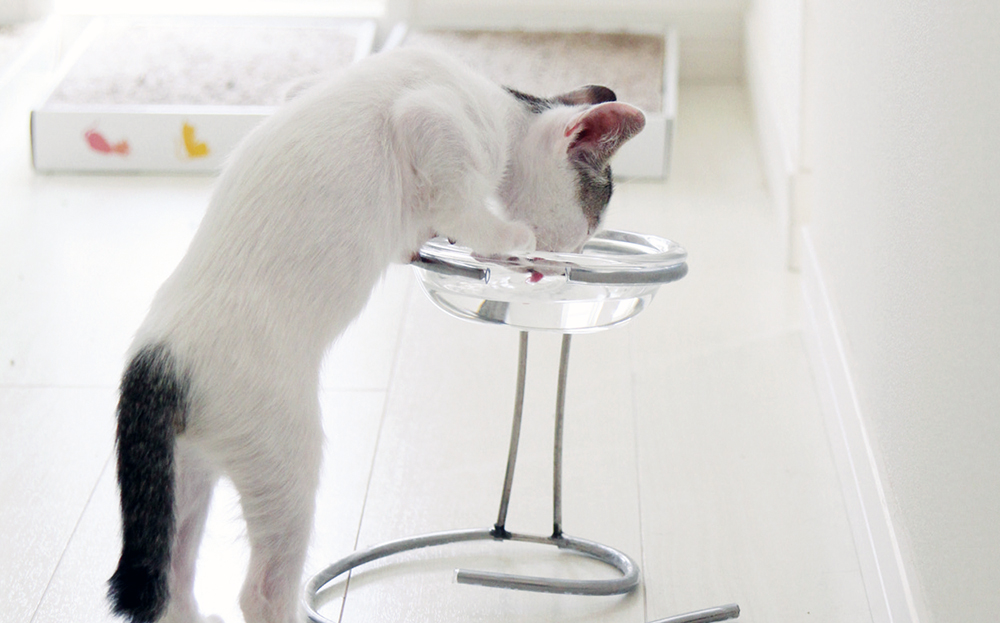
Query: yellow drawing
point(193, 148)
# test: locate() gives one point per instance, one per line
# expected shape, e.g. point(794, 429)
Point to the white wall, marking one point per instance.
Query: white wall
point(773, 56)
point(902, 128)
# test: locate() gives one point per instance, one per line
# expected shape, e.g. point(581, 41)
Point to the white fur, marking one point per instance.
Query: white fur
point(350, 176)
point(536, 190)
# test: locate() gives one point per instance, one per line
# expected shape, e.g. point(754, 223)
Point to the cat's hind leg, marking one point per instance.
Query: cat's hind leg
point(276, 476)
point(195, 481)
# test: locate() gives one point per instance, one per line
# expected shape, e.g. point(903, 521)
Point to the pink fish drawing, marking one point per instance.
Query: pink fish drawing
point(100, 144)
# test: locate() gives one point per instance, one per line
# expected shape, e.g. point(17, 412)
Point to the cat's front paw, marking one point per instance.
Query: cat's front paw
point(519, 239)
point(489, 235)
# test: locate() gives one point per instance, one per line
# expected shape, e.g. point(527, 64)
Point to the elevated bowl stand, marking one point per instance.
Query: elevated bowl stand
point(620, 267)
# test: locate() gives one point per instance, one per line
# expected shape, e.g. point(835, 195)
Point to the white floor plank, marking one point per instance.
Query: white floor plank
point(739, 494)
point(54, 443)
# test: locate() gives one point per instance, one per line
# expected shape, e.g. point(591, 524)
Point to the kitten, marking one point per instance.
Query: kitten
point(352, 175)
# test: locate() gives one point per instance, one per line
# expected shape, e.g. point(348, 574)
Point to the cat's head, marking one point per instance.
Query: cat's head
point(559, 178)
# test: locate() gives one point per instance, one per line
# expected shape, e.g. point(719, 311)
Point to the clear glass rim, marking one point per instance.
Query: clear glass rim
point(610, 256)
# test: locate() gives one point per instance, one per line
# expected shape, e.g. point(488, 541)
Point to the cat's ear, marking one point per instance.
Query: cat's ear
point(590, 94)
point(597, 133)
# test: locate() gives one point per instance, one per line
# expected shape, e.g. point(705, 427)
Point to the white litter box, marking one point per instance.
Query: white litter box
point(178, 94)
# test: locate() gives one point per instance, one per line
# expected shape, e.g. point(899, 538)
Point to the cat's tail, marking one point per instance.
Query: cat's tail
point(151, 411)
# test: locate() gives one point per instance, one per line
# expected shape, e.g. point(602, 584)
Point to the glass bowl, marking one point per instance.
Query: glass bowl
point(611, 279)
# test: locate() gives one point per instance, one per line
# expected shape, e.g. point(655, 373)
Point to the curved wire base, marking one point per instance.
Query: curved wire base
point(608, 555)
point(628, 581)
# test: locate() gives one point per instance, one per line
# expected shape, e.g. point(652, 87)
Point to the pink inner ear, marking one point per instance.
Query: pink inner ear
point(601, 130)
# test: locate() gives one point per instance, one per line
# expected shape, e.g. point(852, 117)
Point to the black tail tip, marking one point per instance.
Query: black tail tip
point(138, 593)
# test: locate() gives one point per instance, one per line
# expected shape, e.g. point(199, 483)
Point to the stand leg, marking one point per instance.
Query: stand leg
point(617, 586)
point(558, 443)
point(499, 531)
point(627, 582)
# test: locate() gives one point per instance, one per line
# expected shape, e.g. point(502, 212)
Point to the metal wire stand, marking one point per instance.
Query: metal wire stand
point(629, 571)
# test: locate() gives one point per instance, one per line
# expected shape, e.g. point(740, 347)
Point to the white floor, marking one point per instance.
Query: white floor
point(694, 440)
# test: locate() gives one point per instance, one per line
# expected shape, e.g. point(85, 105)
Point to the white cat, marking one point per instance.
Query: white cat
point(350, 176)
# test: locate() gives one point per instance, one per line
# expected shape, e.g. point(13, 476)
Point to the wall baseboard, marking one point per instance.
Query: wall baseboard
point(889, 596)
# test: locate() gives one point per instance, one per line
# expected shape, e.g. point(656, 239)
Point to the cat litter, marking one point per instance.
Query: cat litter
point(641, 67)
point(178, 94)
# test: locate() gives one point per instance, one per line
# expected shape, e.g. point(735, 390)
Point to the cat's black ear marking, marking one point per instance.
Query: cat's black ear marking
point(594, 187)
point(535, 104)
point(590, 94)
point(583, 96)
